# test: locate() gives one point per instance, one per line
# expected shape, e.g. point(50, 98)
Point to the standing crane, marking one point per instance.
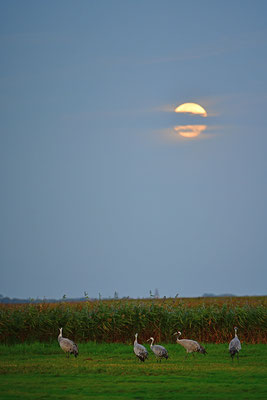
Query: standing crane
point(235, 346)
point(159, 351)
point(139, 350)
point(191, 346)
point(67, 345)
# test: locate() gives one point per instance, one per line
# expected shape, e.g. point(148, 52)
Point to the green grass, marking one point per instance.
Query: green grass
point(111, 371)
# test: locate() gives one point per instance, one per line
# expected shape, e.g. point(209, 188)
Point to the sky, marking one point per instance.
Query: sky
point(99, 192)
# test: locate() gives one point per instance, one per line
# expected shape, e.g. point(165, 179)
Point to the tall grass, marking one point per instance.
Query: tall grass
point(117, 321)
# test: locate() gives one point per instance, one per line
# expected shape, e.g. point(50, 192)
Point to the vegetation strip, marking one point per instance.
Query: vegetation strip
point(205, 320)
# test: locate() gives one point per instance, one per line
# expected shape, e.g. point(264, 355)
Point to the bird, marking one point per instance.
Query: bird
point(234, 346)
point(139, 350)
point(159, 351)
point(67, 345)
point(191, 346)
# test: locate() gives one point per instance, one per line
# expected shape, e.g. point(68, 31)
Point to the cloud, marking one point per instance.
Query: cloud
point(164, 108)
point(190, 131)
point(187, 133)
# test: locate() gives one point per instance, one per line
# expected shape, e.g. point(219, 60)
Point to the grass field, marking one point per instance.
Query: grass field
point(111, 371)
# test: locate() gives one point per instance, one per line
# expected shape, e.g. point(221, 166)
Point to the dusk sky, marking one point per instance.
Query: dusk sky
point(99, 191)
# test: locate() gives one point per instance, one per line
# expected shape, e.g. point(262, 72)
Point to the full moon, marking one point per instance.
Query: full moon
point(191, 108)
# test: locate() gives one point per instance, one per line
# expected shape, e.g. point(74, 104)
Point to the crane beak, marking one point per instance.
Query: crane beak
point(176, 333)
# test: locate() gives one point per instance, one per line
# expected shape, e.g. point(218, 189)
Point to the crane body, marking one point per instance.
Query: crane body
point(191, 346)
point(139, 350)
point(235, 346)
point(159, 351)
point(67, 345)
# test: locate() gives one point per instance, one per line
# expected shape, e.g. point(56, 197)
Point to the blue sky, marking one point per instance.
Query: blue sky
point(98, 193)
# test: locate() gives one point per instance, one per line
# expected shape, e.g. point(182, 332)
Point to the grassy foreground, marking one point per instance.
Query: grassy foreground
point(111, 371)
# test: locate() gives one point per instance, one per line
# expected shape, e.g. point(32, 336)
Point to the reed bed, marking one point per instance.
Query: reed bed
point(204, 319)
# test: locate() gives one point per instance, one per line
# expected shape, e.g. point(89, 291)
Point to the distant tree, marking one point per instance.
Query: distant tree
point(86, 295)
point(156, 294)
point(116, 295)
point(218, 295)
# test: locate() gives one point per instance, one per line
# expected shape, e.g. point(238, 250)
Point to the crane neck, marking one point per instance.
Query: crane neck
point(60, 335)
point(152, 342)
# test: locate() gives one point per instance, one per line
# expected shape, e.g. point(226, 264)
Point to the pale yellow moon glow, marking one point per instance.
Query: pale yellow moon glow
point(190, 131)
point(191, 108)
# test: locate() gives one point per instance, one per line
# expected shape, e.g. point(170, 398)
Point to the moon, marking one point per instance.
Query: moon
point(190, 131)
point(191, 108)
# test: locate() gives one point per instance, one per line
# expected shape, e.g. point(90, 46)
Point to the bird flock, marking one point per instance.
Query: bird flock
point(191, 346)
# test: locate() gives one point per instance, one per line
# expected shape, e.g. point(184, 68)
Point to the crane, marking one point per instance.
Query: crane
point(191, 346)
point(139, 350)
point(159, 351)
point(67, 345)
point(235, 346)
